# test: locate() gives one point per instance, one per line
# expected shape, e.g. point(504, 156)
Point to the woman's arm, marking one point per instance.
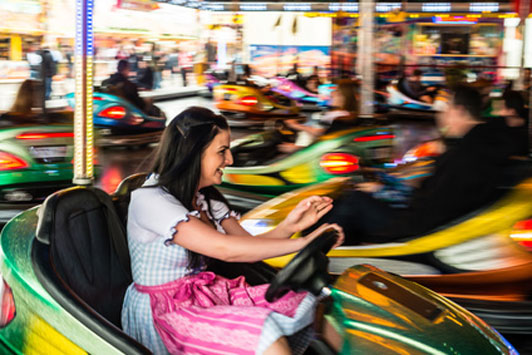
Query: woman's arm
point(305, 214)
point(294, 124)
point(197, 236)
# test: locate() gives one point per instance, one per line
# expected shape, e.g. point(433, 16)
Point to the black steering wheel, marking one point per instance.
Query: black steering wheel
point(307, 270)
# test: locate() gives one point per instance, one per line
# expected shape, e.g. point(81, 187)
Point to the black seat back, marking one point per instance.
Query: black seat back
point(88, 247)
point(122, 195)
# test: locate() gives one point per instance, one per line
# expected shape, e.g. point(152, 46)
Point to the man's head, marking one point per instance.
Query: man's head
point(123, 67)
point(463, 112)
point(416, 75)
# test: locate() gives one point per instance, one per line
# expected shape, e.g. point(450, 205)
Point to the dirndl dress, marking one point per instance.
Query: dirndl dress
point(172, 309)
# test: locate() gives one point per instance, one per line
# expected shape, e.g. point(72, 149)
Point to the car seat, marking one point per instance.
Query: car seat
point(81, 258)
point(122, 194)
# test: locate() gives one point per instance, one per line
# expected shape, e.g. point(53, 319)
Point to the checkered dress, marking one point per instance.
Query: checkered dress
point(155, 260)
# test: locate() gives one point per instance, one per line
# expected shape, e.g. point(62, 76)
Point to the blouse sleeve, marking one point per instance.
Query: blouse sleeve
point(221, 211)
point(158, 212)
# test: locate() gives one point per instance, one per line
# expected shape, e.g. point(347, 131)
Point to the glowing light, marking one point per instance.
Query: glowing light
point(303, 6)
point(484, 7)
point(387, 6)
point(436, 7)
point(339, 163)
point(253, 7)
point(9, 161)
point(83, 110)
point(28, 136)
point(374, 138)
point(343, 7)
point(213, 7)
point(249, 100)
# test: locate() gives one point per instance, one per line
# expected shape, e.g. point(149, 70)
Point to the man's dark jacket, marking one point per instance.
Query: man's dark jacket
point(126, 89)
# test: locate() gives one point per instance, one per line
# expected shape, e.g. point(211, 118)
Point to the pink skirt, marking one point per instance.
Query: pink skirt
point(209, 314)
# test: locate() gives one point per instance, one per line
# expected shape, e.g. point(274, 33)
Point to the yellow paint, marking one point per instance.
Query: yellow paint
point(337, 134)
point(514, 207)
point(299, 174)
point(42, 338)
point(253, 180)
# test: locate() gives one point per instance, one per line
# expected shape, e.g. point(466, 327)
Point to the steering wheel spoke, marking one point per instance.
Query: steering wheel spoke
point(308, 270)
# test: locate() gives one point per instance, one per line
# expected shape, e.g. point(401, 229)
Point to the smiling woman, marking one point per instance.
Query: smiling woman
point(177, 223)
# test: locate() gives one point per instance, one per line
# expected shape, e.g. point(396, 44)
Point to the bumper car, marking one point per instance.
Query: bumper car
point(402, 105)
point(119, 122)
point(308, 100)
point(213, 78)
point(473, 260)
point(260, 171)
point(248, 106)
point(65, 274)
point(35, 159)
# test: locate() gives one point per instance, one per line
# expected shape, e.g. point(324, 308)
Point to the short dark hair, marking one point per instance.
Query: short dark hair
point(515, 100)
point(122, 64)
point(469, 98)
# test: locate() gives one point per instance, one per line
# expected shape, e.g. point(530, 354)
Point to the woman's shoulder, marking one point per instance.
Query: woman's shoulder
point(155, 194)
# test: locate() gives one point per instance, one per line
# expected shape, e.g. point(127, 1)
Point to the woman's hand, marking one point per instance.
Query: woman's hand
point(306, 213)
point(318, 231)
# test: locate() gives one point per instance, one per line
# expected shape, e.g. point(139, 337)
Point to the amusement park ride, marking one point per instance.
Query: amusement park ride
point(44, 308)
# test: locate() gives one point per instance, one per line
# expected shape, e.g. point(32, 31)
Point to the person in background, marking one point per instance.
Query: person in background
point(294, 75)
point(27, 106)
point(145, 75)
point(133, 61)
point(515, 114)
point(28, 97)
point(480, 152)
point(48, 70)
point(313, 81)
point(343, 113)
point(414, 88)
point(527, 80)
point(120, 85)
point(178, 222)
point(34, 60)
point(184, 66)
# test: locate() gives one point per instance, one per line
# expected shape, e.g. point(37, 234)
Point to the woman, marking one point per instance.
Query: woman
point(177, 222)
point(343, 114)
point(27, 97)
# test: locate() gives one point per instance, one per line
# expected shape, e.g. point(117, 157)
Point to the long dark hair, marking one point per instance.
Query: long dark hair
point(177, 160)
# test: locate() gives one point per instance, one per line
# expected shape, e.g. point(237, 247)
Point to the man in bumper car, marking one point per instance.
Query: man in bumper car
point(119, 84)
point(465, 178)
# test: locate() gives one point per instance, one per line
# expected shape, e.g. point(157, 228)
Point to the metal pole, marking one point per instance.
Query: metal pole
point(365, 57)
point(83, 128)
point(523, 10)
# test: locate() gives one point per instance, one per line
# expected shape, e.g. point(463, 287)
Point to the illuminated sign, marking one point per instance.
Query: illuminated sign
point(302, 6)
point(336, 6)
point(484, 7)
point(436, 7)
point(213, 7)
point(387, 6)
point(253, 7)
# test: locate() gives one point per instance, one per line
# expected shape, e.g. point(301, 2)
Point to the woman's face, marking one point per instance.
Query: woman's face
point(214, 159)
